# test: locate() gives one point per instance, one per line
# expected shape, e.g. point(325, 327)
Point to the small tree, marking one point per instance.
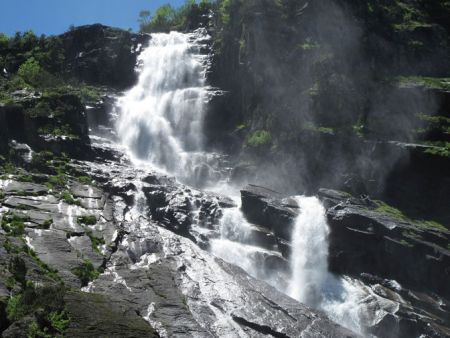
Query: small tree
point(144, 17)
point(30, 71)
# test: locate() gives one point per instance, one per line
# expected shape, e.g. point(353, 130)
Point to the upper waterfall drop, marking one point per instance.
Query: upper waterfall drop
point(160, 119)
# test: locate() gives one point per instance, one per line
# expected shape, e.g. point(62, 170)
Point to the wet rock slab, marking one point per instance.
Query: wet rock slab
point(269, 209)
point(183, 291)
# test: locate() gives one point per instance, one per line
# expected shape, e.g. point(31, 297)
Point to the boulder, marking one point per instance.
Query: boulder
point(269, 209)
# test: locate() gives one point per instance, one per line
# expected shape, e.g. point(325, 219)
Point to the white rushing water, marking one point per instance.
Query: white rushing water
point(160, 123)
point(160, 119)
point(311, 283)
point(309, 252)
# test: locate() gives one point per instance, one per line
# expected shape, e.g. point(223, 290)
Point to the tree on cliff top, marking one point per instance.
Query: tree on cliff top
point(166, 18)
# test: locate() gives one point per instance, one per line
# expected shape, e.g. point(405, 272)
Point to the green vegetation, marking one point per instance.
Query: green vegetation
point(96, 242)
point(439, 148)
point(13, 224)
point(167, 18)
point(386, 209)
point(63, 130)
point(13, 248)
point(59, 181)
point(84, 180)
point(318, 129)
point(428, 82)
point(309, 44)
point(87, 220)
point(34, 299)
point(67, 197)
point(86, 272)
point(41, 303)
point(46, 224)
point(59, 320)
point(32, 74)
point(258, 138)
point(224, 11)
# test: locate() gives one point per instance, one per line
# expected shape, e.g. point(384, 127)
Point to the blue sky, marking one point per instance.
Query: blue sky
point(55, 16)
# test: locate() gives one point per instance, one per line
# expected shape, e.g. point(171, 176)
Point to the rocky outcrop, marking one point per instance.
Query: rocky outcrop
point(269, 209)
point(168, 280)
point(55, 122)
point(179, 288)
point(116, 50)
point(112, 318)
point(367, 241)
point(364, 239)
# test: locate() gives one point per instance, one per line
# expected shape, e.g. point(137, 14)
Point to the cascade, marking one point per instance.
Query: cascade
point(311, 283)
point(309, 252)
point(160, 124)
point(160, 119)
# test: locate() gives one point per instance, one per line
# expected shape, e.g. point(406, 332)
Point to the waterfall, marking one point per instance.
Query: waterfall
point(309, 252)
point(160, 124)
point(160, 119)
point(310, 282)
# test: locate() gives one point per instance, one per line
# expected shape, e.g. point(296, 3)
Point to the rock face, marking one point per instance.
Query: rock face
point(269, 209)
point(35, 120)
point(377, 247)
point(116, 50)
point(180, 289)
point(134, 246)
point(112, 317)
point(327, 118)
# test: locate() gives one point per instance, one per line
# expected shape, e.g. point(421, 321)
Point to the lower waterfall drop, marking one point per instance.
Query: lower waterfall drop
point(310, 252)
point(311, 283)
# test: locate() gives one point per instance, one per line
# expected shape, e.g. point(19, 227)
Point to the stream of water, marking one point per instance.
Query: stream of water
point(160, 122)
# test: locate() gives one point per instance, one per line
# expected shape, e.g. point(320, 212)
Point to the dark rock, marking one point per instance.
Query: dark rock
point(24, 124)
point(19, 329)
point(116, 50)
point(365, 240)
point(267, 208)
point(263, 238)
point(94, 315)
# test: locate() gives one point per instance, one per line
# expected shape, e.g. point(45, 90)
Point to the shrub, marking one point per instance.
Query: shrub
point(30, 71)
point(87, 220)
point(14, 308)
point(224, 11)
point(86, 272)
point(85, 180)
point(13, 224)
point(56, 181)
point(59, 320)
point(259, 138)
point(34, 75)
point(67, 197)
